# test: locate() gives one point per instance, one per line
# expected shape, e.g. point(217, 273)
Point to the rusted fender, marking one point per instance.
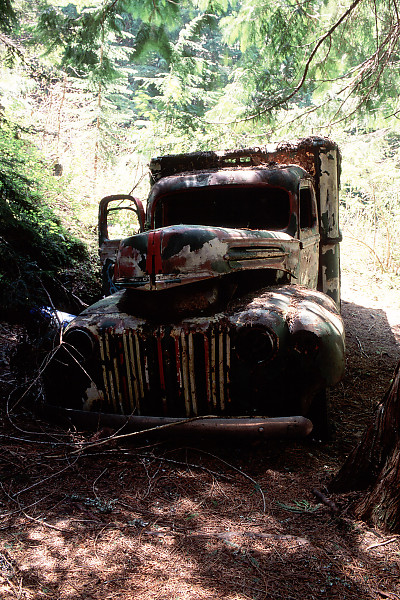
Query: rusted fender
point(277, 427)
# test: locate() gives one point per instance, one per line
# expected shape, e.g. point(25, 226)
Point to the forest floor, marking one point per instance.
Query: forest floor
point(180, 520)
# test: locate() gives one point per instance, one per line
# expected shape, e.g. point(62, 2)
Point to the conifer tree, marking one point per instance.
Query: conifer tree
point(7, 16)
point(312, 58)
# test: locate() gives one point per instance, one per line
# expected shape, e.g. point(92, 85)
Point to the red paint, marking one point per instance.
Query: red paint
point(160, 364)
point(153, 260)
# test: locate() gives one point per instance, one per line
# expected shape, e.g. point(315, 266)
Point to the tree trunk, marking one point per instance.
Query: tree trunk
point(375, 464)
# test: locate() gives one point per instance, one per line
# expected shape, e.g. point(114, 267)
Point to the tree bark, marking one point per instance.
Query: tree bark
point(375, 464)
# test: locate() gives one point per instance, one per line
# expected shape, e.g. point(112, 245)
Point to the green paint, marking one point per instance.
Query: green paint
point(330, 260)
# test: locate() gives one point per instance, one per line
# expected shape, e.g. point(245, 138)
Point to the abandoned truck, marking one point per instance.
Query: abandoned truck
point(225, 302)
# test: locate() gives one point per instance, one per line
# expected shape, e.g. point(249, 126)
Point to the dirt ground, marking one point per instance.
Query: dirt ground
point(185, 520)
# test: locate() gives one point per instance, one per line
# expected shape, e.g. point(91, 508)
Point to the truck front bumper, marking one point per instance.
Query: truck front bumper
point(253, 427)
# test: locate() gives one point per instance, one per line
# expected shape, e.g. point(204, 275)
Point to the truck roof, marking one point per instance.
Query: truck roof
point(272, 174)
point(301, 152)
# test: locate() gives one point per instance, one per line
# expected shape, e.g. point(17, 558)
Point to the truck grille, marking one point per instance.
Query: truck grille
point(170, 372)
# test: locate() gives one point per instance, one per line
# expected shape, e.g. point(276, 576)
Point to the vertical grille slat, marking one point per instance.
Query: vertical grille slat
point(207, 372)
point(129, 392)
point(170, 372)
point(221, 370)
point(228, 366)
point(178, 363)
point(185, 372)
point(146, 371)
point(135, 397)
point(139, 365)
point(192, 375)
point(213, 372)
point(120, 376)
point(103, 368)
point(108, 371)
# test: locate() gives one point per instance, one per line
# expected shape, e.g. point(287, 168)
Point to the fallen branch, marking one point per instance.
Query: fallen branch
point(325, 500)
point(395, 539)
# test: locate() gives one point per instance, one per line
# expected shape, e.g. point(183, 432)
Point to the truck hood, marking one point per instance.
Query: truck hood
point(183, 254)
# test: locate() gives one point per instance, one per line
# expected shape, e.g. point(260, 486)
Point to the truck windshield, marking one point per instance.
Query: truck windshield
point(260, 207)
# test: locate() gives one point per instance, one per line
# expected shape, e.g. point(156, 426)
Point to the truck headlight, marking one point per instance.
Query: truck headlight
point(305, 342)
point(255, 345)
point(79, 344)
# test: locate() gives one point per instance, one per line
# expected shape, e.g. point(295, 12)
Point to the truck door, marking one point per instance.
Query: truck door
point(308, 235)
point(120, 216)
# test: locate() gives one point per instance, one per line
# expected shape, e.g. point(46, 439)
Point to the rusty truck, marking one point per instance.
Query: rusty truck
point(221, 308)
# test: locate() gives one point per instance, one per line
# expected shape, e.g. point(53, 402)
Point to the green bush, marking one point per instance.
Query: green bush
point(34, 246)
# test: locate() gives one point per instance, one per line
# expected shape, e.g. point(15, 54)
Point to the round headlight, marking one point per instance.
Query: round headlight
point(79, 343)
point(255, 345)
point(305, 342)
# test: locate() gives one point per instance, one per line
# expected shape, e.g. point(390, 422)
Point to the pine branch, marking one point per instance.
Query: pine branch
point(298, 87)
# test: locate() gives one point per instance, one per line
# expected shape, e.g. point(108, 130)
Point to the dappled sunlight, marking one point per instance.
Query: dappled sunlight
point(165, 522)
point(166, 531)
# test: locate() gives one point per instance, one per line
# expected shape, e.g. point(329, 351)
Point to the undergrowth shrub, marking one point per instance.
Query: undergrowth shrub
point(370, 205)
point(34, 245)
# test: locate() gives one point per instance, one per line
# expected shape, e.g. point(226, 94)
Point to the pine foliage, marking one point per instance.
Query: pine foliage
point(7, 16)
point(335, 60)
point(152, 38)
